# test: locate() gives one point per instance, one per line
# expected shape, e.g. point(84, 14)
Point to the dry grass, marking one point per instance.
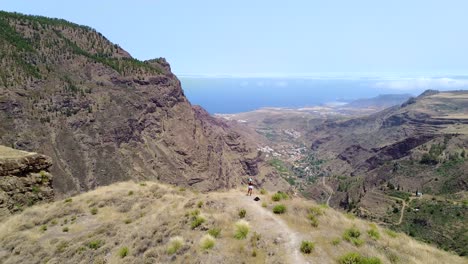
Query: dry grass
point(160, 216)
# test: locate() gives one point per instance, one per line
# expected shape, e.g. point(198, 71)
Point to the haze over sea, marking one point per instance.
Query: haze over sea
point(229, 94)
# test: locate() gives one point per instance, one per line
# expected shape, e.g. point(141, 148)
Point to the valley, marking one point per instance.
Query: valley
point(103, 159)
point(403, 166)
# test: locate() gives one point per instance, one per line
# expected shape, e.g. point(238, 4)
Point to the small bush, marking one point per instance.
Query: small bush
point(94, 211)
point(197, 221)
point(95, 244)
point(194, 213)
point(374, 234)
point(336, 241)
point(242, 213)
point(254, 253)
point(215, 232)
point(279, 209)
point(68, 200)
point(307, 247)
point(317, 211)
point(263, 192)
point(313, 220)
point(142, 184)
point(43, 228)
point(207, 242)
point(264, 204)
point(200, 204)
point(356, 258)
point(65, 229)
point(242, 229)
point(352, 236)
point(391, 233)
point(127, 221)
point(278, 196)
point(174, 245)
point(182, 189)
point(123, 252)
point(130, 193)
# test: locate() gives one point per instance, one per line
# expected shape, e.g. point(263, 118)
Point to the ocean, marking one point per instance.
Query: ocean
point(234, 95)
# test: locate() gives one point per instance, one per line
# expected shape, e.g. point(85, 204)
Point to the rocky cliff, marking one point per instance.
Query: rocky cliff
point(24, 180)
point(103, 116)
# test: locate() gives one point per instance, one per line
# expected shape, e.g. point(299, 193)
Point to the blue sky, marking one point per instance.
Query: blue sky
point(269, 37)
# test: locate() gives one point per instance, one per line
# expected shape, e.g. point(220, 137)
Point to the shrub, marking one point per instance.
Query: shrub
point(307, 247)
point(317, 211)
point(123, 252)
point(356, 258)
point(194, 213)
point(279, 209)
point(127, 221)
point(130, 193)
point(43, 228)
point(373, 233)
point(68, 200)
point(94, 210)
point(242, 213)
point(95, 244)
point(264, 204)
point(197, 221)
point(336, 241)
point(215, 232)
point(207, 242)
point(174, 245)
point(352, 236)
point(391, 233)
point(278, 196)
point(313, 220)
point(242, 229)
point(200, 204)
point(263, 191)
point(142, 184)
point(65, 229)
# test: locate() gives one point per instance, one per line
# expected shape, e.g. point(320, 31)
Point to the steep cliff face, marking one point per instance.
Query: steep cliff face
point(102, 116)
point(24, 180)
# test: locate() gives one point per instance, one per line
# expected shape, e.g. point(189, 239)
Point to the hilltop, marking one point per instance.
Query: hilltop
point(102, 116)
point(149, 222)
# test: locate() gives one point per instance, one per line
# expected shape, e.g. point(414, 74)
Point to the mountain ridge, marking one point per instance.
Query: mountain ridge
point(103, 116)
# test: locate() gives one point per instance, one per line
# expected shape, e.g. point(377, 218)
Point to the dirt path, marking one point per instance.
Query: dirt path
point(265, 222)
point(329, 189)
point(403, 205)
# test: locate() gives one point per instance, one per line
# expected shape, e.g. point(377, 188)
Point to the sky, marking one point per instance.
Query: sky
point(279, 38)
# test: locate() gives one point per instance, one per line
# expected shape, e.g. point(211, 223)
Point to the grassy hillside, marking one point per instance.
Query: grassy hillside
point(149, 222)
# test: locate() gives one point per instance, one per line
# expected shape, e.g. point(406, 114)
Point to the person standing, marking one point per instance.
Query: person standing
point(250, 189)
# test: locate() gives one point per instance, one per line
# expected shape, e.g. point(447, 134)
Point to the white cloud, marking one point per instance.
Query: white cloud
point(424, 83)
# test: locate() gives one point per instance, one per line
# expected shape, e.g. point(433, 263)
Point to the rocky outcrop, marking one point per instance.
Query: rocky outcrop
point(24, 180)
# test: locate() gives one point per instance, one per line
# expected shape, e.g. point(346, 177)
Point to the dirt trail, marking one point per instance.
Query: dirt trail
point(265, 222)
point(329, 189)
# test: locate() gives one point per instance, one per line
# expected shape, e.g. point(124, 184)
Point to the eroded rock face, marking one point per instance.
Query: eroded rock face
point(104, 117)
point(24, 180)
